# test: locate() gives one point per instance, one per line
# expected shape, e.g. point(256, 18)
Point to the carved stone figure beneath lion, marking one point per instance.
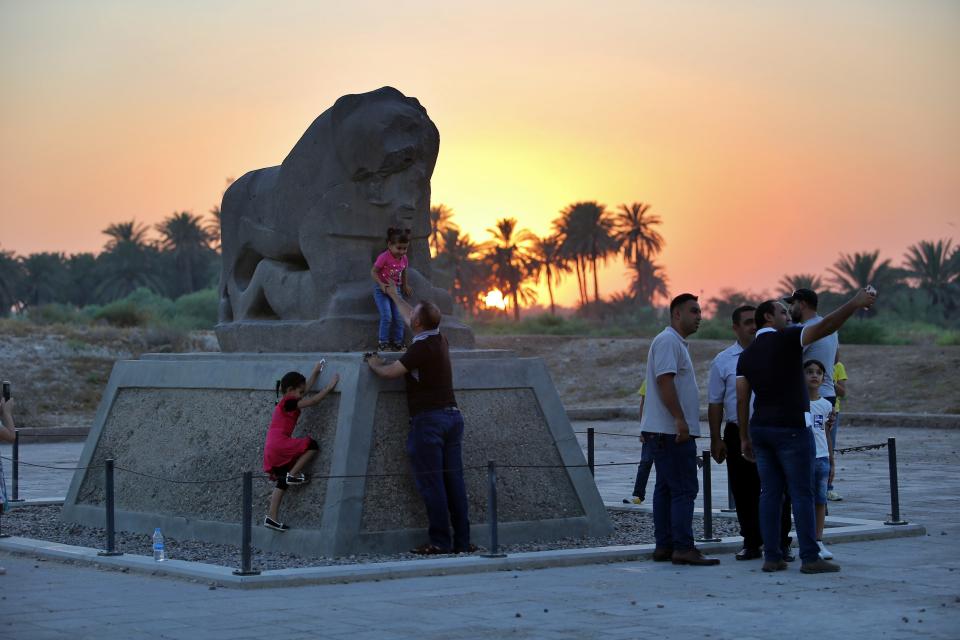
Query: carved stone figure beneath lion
point(298, 240)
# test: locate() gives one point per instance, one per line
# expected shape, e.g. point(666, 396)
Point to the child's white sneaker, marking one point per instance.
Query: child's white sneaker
point(824, 552)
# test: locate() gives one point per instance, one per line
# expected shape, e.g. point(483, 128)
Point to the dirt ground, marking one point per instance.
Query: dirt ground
point(59, 373)
point(608, 371)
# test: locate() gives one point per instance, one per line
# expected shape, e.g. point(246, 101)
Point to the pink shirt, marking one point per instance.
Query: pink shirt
point(390, 268)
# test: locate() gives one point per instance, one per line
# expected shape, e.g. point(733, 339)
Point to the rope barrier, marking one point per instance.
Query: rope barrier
point(865, 447)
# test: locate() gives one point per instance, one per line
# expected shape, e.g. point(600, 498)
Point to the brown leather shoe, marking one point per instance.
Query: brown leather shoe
point(662, 554)
point(819, 566)
point(693, 557)
point(770, 567)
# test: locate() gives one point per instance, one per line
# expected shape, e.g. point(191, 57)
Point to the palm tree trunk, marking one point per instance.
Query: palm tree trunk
point(582, 281)
point(596, 291)
point(553, 309)
point(516, 305)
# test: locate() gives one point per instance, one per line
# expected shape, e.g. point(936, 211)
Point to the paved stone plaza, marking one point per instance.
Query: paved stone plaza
point(898, 588)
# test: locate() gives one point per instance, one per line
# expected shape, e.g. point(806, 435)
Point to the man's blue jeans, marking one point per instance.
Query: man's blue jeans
point(643, 470)
point(434, 446)
point(785, 461)
point(675, 491)
point(391, 322)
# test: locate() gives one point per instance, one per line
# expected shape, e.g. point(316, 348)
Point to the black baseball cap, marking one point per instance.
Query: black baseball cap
point(806, 295)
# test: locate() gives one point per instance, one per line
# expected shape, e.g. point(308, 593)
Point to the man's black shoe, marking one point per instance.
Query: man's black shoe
point(749, 554)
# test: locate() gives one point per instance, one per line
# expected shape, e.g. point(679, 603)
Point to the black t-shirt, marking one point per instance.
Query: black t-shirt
point(773, 365)
point(429, 376)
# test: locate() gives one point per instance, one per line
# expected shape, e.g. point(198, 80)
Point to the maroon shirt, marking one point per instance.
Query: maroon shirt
point(429, 375)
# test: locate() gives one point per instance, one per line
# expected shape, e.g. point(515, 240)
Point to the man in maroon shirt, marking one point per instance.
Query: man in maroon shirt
point(436, 427)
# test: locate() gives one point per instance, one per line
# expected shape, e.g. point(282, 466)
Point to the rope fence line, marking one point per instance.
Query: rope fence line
point(247, 480)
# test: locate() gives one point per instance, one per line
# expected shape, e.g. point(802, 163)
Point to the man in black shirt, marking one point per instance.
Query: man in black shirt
point(778, 437)
point(436, 427)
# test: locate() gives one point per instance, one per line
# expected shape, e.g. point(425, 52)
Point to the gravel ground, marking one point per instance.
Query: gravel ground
point(43, 523)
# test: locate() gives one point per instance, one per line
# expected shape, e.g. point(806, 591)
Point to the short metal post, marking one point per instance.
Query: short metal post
point(109, 508)
point(894, 484)
point(15, 483)
point(494, 551)
point(590, 449)
point(245, 535)
point(707, 502)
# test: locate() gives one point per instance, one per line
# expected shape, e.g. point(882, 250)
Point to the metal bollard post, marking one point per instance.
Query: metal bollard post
point(15, 479)
point(894, 484)
point(707, 502)
point(492, 509)
point(109, 508)
point(590, 449)
point(245, 535)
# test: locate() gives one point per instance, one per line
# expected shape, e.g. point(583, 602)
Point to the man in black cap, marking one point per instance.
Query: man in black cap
point(803, 311)
point(776, 435)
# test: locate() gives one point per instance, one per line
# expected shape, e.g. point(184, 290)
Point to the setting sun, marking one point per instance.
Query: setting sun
point(495, 300)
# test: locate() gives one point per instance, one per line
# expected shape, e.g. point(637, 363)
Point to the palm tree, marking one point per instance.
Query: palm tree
point(128, 264)
point(45, 278)
point(790, 283)
point(189, 240)
point(635, 233)
point(511, 263)
point(649, 281)
point(82, 274)
point(441, 217)
point(588, 237)
point(550, 263)
point(11, 276)
point(853, 272)
point(935, 269)
point(125, 232)
point(213, 227)
point(459, 256)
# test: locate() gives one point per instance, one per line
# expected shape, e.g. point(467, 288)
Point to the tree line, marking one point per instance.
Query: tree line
point(181, 257)
point(514, 260)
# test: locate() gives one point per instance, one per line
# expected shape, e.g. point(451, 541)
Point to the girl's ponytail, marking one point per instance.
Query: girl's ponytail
point(278, 392)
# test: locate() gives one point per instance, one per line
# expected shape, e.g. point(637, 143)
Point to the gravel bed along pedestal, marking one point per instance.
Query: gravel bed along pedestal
point(44, 523)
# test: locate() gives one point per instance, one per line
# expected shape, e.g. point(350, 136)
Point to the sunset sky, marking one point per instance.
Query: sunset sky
point(769, 136)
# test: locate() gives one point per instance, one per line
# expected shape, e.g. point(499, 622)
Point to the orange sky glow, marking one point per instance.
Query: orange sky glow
point(770, 137)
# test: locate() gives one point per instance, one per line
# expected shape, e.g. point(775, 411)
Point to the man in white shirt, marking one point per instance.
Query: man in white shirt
point(670, 425)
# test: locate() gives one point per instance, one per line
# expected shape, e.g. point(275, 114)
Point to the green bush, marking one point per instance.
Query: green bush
point(864, 332)
point(123, 313)
point(197, 310)
point(55, 314)
point(713, 330)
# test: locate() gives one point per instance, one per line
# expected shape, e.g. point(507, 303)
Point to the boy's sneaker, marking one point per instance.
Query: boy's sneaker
point(834, 496)
point(383, 346)
point(300, 478)
point(397, 346)
point(633, 500)
point(824, 552)
point(819, 566)
point(270, 523)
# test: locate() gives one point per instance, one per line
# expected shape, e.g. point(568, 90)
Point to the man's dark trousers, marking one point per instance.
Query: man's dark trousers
point(675, 491)
point(745, 485)
point(434, 446)
point(785, 461)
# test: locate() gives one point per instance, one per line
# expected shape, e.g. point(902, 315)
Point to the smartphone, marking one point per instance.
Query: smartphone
point(6, 390)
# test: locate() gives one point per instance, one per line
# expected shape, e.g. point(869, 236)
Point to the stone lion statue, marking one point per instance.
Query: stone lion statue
point(298, 239)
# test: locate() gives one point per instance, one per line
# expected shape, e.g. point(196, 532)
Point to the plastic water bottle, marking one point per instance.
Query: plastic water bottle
point(159, 552)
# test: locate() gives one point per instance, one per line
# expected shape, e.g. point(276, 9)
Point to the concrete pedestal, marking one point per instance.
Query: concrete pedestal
point(201, 420)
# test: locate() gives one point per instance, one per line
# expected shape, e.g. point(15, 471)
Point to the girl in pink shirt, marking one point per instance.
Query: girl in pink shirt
point(390, 270)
